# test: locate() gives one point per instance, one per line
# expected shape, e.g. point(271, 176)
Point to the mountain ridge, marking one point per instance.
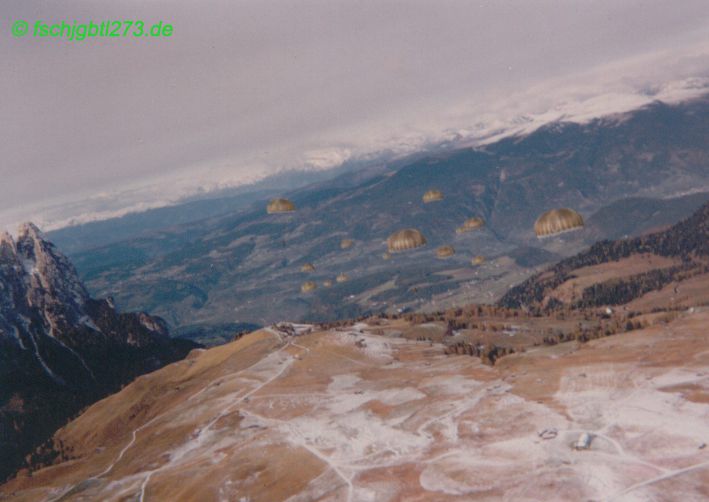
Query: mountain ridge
point(62, 349)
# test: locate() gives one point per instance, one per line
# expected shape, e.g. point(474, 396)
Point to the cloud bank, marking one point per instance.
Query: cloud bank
point(245, 89)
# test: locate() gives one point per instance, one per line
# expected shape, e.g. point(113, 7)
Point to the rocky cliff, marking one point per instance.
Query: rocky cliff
point(60, 349)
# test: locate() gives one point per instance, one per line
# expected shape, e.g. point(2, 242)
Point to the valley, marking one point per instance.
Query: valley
point(241, 268)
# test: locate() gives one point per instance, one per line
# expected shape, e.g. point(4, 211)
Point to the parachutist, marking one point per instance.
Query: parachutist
point(557, 221)
point(409, 238)
point(280, 206)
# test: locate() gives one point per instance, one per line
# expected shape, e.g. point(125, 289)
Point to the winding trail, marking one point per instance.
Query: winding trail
point(134, 433)
point(229, 408)
point(669, 475)
point(333, 466)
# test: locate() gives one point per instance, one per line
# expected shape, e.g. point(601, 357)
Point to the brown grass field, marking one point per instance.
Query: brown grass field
point(368, 413)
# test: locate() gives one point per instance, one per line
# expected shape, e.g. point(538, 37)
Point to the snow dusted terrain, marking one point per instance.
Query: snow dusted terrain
point(348, 415)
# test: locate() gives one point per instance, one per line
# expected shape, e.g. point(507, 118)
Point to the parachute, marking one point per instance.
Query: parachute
point(406, 239)
point(346, 243)
point(445, 251)
point(470, 224)
point(557, 221)
point(308, 267)
point(478, 260)
point(432, 196)
point(308, 286)
point(342, 278)
point(280, 206)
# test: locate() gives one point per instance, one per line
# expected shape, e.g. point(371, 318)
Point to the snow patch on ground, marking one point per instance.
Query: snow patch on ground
point(354, 435)
point(343, 382)
point(637, 428)
point(29, 266)
point(18, 337)
point(86, 321)
point(378, 348)
point(677, 376)
point(348, 392)
point(450, 384)
point(461, 474)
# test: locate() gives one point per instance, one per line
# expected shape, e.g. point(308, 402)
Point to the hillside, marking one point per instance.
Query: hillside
point(60, 349)
point(617, 272)
point(364, 412)
point(642, 215)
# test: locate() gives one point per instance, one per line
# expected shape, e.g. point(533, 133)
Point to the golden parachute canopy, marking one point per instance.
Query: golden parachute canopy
point(557, 221)
point(470, 224)
point(445, 251)
point(432, 196)
point(478, 260)
point(342, 277)
point(327, 283)
point(308, 267)
point(346, 243)
point(308, 287)
point(408, 238)
point(280, 206)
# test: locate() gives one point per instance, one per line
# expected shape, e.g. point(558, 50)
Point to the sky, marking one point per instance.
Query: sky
point(244, 89)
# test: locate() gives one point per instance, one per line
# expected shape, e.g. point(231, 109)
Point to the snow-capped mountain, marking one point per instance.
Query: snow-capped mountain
point(59, 348)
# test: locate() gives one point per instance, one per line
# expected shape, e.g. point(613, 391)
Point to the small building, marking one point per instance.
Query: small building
point(584, 441)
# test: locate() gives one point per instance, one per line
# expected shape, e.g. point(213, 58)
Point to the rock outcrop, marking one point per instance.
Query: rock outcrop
point(61, 350)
